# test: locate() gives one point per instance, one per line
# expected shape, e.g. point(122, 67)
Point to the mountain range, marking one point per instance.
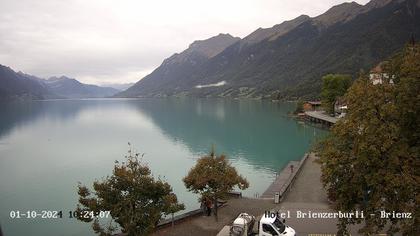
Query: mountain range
point(287, 60)
point(71, 88)
point(117, 86)
point(18, 85)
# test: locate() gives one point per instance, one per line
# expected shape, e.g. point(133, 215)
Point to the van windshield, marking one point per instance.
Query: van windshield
point(279, 225)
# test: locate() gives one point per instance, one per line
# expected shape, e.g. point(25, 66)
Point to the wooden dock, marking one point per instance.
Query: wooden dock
point(320, 117)
point(284, 179)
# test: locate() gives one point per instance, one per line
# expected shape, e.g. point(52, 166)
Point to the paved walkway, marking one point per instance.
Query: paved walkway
point(281, 180)
point(307, 195)
point(307, 186)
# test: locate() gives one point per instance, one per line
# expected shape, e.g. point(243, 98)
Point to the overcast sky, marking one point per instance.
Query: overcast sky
point(118, 41)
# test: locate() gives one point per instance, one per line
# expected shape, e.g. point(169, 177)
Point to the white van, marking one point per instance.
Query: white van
point(271, 226)
point(243, 225)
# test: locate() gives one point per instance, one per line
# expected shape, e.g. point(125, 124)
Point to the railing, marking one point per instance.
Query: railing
point(179, 218)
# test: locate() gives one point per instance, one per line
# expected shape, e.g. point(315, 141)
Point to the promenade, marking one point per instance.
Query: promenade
point(307, 186)
point(307, 195)
point(304, 193)
point(207, 226)
point(203, 225)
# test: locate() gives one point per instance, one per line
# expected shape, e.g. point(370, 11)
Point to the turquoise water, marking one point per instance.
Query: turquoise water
point(46, 147)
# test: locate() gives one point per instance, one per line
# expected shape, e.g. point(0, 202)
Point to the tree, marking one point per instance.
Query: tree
point(135, 200)
point(213, 177)
point(299, 107)
point(333, 87)
point(370, 161)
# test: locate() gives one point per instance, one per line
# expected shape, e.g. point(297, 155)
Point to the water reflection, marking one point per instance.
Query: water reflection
point(258, 131)
point(46, 147)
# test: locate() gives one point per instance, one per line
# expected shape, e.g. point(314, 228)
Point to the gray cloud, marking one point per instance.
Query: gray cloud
point(101, 41)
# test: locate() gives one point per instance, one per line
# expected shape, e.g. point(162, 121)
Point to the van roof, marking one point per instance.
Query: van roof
point(267, 219)
point(239, 221)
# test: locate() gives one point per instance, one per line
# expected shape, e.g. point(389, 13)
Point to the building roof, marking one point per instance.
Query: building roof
point(378, 69)
point(314, 103)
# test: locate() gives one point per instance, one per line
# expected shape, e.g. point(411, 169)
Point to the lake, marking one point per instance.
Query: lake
point(47, 147)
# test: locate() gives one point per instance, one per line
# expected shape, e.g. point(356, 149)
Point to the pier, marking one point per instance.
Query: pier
point(284, 179)
point(320, 117)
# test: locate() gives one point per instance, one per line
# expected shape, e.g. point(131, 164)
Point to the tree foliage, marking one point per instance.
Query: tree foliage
point(299, 107)
point(371, 161)
point(333, 87)
point(213, 177)
point(135, 200)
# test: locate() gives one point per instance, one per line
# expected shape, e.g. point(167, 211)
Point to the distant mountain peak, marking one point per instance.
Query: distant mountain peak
point(72, 88)
point(302, 17)
point(347, 11)
point(54, 78)
point(340, 13)
point(206, 48)
point(62, 77)
point(18, 85)
point(118, 86)
point(212, 46)
point(378, 3)
point(275, 31)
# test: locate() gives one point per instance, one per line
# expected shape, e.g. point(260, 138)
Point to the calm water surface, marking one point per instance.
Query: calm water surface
point(46, 147)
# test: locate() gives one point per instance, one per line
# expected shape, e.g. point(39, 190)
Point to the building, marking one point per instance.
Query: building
point(312, 106)
point(340, 107)
point(378, 76)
